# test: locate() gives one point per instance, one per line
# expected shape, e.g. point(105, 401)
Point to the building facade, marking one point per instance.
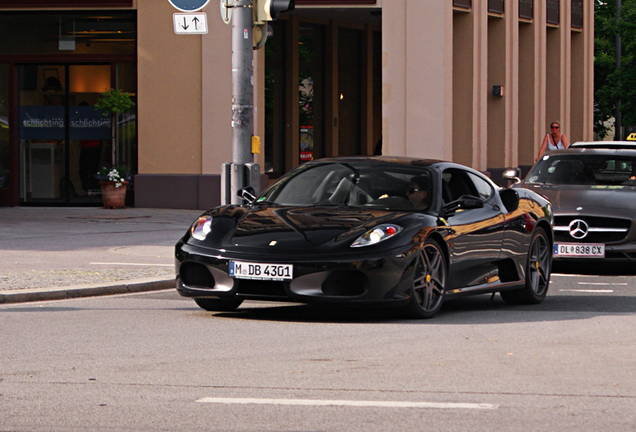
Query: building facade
point(473, 81)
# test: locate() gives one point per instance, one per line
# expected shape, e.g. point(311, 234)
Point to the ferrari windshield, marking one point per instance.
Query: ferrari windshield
point(585, 169)
point(388, 186)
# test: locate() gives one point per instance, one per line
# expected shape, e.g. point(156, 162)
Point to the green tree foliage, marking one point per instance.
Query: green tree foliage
point(612, 84)
point(114, 102)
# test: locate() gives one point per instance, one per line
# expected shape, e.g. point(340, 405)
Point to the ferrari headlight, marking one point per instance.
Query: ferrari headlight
point(377, 234)
point(201, 227)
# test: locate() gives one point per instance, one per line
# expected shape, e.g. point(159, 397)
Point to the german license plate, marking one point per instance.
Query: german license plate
point(579, 250)
point(261, 271)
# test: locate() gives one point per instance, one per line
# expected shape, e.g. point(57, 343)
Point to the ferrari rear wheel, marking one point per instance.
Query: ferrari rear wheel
point(538, 269)
point(218, 305)
point(429, 282)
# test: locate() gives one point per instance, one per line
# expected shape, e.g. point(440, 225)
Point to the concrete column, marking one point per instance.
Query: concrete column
point(480, 86)
point(565, 27)
point(540, 68)
point(588, 67)
point(417, 79)
point(511, 94)
point(394, 79)
point(463, 85)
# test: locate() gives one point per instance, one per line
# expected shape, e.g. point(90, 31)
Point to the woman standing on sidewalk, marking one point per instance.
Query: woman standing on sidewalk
point(553, 141)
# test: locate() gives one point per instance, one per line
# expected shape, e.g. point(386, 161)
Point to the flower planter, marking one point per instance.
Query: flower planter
point(113, 197)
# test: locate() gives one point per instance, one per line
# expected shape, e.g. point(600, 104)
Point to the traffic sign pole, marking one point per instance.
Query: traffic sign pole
point(242, 95)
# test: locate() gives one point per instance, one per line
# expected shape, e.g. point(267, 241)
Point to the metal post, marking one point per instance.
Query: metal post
point(242, 94)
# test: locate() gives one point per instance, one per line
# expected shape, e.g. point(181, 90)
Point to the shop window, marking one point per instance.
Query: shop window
point(63, 139)
point(126, 140)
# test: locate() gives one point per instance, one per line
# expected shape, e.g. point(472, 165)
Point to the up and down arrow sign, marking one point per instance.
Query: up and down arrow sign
point(190, 23)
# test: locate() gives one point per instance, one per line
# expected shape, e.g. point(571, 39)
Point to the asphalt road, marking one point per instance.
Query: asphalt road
point(155, 362)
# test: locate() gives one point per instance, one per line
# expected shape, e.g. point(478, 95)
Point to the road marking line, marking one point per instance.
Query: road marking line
point(588, 291)
point(134, 264)
point(602, 283)
point(352, 403)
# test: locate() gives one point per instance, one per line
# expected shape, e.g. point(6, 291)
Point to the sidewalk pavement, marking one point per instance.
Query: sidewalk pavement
point(60, 253)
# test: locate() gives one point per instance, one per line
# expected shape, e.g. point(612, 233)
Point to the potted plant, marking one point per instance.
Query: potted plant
point(113, 102)
point(114, 182)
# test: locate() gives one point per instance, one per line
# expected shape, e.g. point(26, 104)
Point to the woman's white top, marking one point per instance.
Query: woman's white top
point(558, 145)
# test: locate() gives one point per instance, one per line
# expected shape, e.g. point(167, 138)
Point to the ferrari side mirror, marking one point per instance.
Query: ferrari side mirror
point(512, 174)
point(248, 194)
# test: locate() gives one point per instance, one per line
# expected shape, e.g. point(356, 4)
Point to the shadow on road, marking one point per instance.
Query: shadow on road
point(592, 267)
point(469, 310)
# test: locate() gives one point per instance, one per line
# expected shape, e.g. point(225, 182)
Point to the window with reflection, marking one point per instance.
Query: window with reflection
point(274, 145)
point(577, 14)
point(86, 32)
point(464, 4)
point(552, 12)
point(496, 6)
point(526, 9)
point(311, 91)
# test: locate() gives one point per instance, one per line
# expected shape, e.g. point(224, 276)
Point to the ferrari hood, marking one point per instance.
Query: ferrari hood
point(307, 226)
point(600, 200)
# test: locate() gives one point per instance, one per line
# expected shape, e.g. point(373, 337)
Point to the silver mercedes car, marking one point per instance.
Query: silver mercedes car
point(592, 188)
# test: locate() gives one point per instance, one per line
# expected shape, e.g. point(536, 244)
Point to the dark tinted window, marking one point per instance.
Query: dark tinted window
point(94, 32)
point(585, 169)
point(388, 186)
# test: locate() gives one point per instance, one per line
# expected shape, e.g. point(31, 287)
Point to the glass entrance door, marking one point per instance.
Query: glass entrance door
point(63, 139)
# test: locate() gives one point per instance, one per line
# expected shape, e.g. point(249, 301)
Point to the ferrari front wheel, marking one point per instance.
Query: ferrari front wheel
point(217, 304)
point(429, 282)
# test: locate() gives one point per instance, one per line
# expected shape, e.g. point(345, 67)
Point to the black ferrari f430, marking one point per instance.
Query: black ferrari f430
point(370, 231)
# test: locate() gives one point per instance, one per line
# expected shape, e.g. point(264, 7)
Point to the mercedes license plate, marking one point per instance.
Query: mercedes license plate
point(261, 271)
point(579, 250)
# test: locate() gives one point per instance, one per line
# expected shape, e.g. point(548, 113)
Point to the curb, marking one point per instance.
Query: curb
point(42, 294)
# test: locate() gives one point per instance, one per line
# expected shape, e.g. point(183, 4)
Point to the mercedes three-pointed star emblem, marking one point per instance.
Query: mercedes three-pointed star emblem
point(578, 228)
